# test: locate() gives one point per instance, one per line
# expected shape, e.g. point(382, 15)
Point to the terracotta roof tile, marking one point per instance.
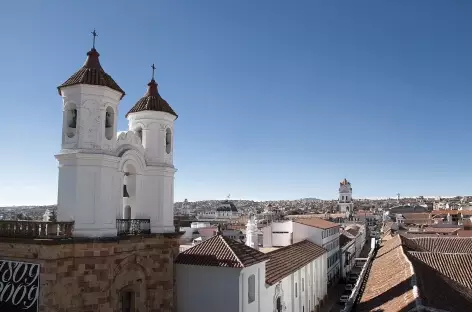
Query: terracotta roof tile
point(223, 252)
point(92, 73)
point(417, 218)
point(286, 260)
point(152, 101)
point(440, 230)
point(452, 212)
point(316, 222)
point(464, 233)
point(443, 279)
point(388, 287)
point(452, 265)
point(445, 244)
point(439, 291)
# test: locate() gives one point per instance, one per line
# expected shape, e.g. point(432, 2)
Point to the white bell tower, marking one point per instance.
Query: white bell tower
point(252, 239)
point(89, 183)
point(152, 119)
point(345, 202)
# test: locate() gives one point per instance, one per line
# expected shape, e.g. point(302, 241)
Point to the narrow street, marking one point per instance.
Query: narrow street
point(332, 304)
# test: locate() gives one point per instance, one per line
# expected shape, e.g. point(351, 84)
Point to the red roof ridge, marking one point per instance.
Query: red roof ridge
point(292, 245)
point(231, 249)
point(221, 251)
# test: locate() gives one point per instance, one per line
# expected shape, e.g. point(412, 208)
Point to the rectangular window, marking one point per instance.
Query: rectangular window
point(303, 284)
point(296, 291)
point(251, 288)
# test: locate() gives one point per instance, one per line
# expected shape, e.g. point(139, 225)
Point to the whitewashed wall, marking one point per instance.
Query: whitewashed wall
point(204, 288)
point(314, 277)
point(271, 239)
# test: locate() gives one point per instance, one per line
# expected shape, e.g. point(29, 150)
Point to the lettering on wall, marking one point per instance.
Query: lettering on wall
point(19, 286)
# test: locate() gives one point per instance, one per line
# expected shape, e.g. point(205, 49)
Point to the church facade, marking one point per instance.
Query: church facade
point(113, 244)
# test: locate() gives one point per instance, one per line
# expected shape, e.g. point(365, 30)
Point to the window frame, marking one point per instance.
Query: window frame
point(251, 286)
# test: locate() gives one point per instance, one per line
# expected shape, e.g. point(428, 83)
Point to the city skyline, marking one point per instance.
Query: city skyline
point(273, 105)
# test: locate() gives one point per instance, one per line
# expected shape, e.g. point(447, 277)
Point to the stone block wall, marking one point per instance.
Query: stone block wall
point(90, 276)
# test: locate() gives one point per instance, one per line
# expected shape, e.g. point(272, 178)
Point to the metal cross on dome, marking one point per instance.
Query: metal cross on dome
point(94, 34)
point(153, 69)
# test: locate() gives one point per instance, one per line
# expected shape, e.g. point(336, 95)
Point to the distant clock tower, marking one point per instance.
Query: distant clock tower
point(345, 203)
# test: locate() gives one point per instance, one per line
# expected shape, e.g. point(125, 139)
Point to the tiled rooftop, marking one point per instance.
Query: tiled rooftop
point(419, 218)
point(317, 223)
point(453, 265)
point(439, 292)
point(438, 266)
point(286, 260)
point(152, 101)
point(92, 73)
point(388, 287)
point(223, 252)
point(440, 230)
point(445, 244)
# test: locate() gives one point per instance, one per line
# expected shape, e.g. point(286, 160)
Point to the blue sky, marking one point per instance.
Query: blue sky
point(276, 99)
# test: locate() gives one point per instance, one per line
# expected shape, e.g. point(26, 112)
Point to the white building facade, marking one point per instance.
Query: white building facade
point(321, 232)
point(247, 280)
point(345, 203)
point(325, 234)
point(278, 234)
point(104, 176)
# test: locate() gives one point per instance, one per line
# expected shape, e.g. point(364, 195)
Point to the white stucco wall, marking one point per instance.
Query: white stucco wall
point(200, 288)
point(302, 232)
point(258, 270)
point(315, 235)
point(204, 288)
point(92, 165)
point(346, 267)
point(89, 192)
point(277, 234)
point(313, 275)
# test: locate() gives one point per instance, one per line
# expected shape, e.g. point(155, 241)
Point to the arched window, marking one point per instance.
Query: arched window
point(71, 120)
point(109, 123)
point(251, 288)
point(168, 141)
point(139, 133)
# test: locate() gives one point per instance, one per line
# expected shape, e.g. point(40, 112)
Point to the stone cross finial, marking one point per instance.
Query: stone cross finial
point(94, 34)
point(153, 69)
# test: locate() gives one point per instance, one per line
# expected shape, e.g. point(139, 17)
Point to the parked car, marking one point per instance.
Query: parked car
point(343, 298)
point(349, 286)
point(354, 276)
point(351, 281)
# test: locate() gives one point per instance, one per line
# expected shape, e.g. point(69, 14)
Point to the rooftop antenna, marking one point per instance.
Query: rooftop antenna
point(94, 34)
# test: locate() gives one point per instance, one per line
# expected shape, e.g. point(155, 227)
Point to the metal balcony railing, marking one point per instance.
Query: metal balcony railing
point(35, 229)
point(133, 226)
